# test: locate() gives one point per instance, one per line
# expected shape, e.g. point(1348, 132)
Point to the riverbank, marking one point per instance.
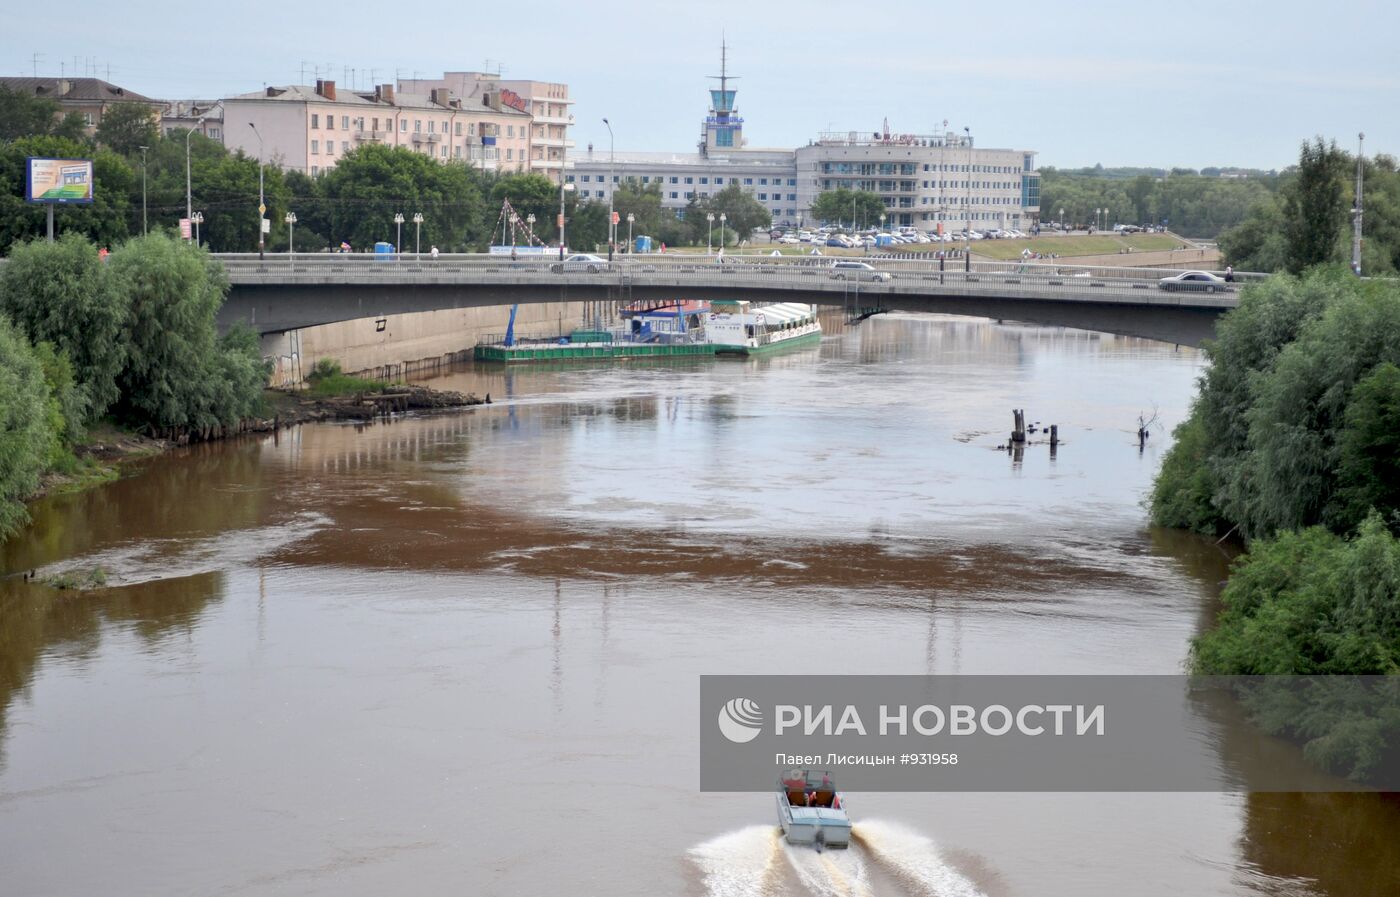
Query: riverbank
point(108, 448)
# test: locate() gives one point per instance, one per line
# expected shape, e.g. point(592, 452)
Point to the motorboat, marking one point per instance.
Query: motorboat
point(811, 810)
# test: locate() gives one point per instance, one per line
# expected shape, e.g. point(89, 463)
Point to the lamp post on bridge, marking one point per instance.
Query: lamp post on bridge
point(710, 233)
point(630, 218)
point(398, 235)
point(530, 223)
point(723, 217)
point(197, 219)
point(291, 219)
point(262, 204)
point(612, 188)
point(562, 187)
point(417, 233)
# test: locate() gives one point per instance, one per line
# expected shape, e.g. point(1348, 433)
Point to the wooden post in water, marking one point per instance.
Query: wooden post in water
point(1054, 436)
point(1018, 432)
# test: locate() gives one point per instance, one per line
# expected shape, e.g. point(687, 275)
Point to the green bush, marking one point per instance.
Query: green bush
point(179, 376)
point(59, 293)
point(26, 434)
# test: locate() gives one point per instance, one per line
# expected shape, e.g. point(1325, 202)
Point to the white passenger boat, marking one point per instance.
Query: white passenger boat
point(734, 327)
point(812, 811)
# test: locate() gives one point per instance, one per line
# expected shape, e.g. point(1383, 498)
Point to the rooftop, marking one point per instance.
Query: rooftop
point(75, 89)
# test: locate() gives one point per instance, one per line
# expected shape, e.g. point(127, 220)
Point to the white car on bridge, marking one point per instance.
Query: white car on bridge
point(580, 261)
point(1198, 281)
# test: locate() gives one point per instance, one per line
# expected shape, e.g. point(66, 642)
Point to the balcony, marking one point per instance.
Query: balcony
point(364, 134)
point(557, 142)
point(554, 119)
point(419, 137)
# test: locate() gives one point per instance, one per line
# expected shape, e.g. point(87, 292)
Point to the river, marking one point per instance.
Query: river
point(460, 653)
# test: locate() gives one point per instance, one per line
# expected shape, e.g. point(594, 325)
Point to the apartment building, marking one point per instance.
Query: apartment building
point(547, 103)
point(89, 97)
point(310, 129)
point(203, 116)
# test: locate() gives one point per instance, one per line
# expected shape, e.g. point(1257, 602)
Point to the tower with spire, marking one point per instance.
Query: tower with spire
point(724, 129)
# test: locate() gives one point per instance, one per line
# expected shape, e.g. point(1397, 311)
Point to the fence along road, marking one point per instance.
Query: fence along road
point(282, 292)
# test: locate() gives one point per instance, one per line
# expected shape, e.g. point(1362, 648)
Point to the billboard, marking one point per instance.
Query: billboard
point(58, 180)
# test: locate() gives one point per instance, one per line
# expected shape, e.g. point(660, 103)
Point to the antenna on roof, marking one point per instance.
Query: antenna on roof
point(35, 61)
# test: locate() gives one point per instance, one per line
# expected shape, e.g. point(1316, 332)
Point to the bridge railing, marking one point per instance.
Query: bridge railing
point(324, 267)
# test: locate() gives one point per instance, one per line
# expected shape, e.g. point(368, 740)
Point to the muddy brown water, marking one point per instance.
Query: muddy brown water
point(459, 653)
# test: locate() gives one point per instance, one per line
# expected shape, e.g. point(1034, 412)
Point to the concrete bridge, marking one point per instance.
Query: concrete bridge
point(282, 292)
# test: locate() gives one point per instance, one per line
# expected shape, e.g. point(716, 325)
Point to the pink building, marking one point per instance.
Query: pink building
point(310, 129)
point(546, 102)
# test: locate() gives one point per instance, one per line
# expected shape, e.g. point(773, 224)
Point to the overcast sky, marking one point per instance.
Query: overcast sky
point(1122, 83)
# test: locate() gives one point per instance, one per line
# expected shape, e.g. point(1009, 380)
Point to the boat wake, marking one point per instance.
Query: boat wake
point(913, 859)
point(741, 863)
point(884, 858)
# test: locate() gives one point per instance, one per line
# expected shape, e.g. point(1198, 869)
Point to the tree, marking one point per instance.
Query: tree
point(25, 426)
point(848, 205)
point(59, 293)
point(179, 377)
point(743, 214)
point(1368, 470)
point(643, 202)
point(1257, 243)
point(126, 127)
point(1315, 209)
point(529, 194)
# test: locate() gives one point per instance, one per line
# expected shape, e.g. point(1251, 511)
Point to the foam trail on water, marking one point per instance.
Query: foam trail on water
point(738, 863)
point(914, 858)
point(829, 873)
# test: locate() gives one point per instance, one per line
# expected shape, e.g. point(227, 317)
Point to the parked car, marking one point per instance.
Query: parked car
point(857, 271)
point(581, 261)
point(1199, 281)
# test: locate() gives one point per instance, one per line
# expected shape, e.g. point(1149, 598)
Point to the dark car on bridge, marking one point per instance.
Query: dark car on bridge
point(1198, 281)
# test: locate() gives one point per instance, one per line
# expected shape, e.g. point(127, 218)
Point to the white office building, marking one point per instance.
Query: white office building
point(936, 183)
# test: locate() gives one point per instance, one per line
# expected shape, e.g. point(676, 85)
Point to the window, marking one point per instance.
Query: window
point(690, 180)
point(646, 179)
point(315, 120)
point(674, 180)
point(459, 129)
point(330, 147)
point(315, 147)
point(315, 170)
point(403, 125)
point(510, 130)
point(330, 122)
point(792, 197)
point(444, 151)
point(600, 194)
point(376, 124)
point(705, 181)
point(719, 180)
point(763, 181)
point(214, 133)
point(456, 152)
point(510, 154)
point(763, 197)
point(345, 123)
point(432, 125)
point(418, 126)
point(673, 194)
point(569, 179)
point(585, 178)
point(345, 146)
point(748, 182)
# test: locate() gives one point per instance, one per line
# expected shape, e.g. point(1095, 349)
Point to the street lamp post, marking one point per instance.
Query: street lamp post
point(882, 222)
point(1097, 212)
point(562, 187)
point(198, 219)
point(630, 218)
point(291, 219)
point(530, 223)
point(189, 199)
point(262, 205)
point(1356, 212)
point(1062, 219)
point(612, 188)
point(143, 190)
point(398, 234)
point(723, 217)
point(710, 233)
point(417, 233)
